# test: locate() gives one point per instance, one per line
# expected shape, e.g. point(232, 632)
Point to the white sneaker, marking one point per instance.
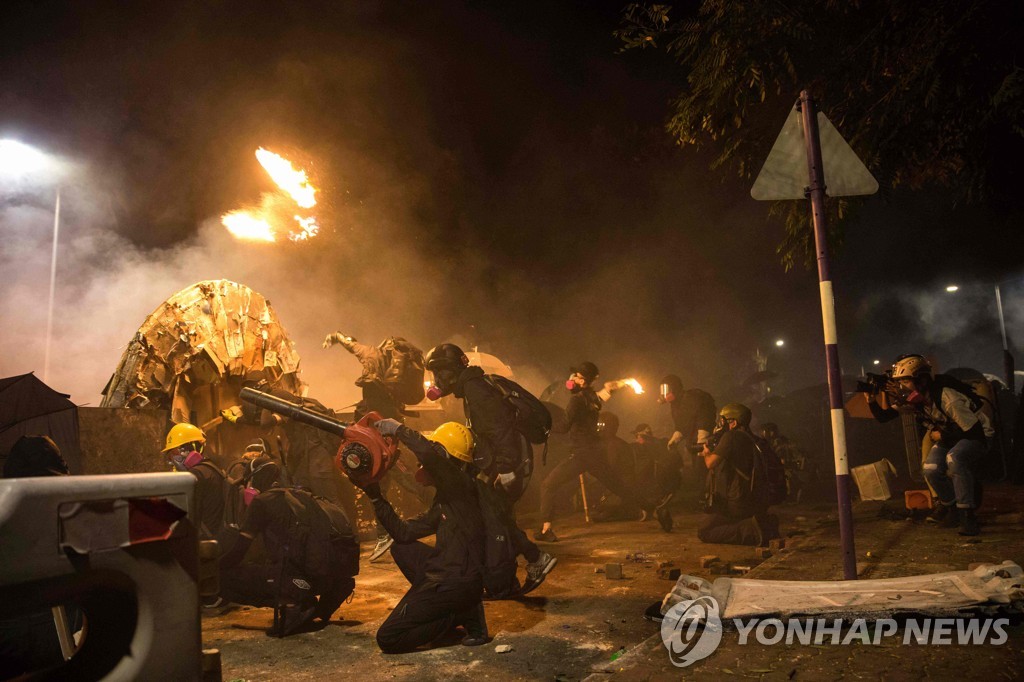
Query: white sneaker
point(383, 545)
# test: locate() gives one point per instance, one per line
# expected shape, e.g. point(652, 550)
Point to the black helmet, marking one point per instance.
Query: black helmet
point(587, 370)
point(445, 356)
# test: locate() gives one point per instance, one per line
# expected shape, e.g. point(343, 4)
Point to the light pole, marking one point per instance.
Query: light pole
point(1007, 355)
point(19, 160)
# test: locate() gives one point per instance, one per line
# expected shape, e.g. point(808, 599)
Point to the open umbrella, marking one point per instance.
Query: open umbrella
point(28, 406)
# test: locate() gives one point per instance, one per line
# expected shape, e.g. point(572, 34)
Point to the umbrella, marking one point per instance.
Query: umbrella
point(490, 364)
point(28, 406)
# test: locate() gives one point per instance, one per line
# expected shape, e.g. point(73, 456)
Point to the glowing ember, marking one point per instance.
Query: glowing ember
point(635, 385)
point(290, 179)
point(244, 225)
point(308, 226)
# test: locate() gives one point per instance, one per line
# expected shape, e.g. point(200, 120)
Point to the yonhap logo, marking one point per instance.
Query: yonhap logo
point(691, 630)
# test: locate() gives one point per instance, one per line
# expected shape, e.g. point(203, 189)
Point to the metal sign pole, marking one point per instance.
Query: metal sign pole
point(816, 193)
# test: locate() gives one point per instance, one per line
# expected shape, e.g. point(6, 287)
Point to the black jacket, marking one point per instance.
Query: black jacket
point(581, 416)
point(454, 516)
point(499, 447)
point(693, 411)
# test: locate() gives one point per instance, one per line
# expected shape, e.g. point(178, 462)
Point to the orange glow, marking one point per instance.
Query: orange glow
point(245, 225)
point(269, 220)
point(635, 385)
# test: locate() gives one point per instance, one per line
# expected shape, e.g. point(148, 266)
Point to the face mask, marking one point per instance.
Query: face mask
point(186, 462)
point(434, 393)
point(915, 398)
point(248, 495)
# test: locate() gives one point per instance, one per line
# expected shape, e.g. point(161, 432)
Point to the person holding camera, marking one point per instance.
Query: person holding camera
point(959, 430)
point(736, 515)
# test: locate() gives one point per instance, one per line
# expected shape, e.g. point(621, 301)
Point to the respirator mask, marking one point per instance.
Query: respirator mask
point(185, 458)
point(444, 383)
point(575, 383)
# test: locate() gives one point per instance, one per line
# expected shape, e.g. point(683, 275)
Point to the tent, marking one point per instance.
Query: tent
point(28, 406)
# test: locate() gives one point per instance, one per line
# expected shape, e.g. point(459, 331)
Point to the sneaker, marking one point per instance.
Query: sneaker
point(968, 522)
point(939, 513)
point(383, 545)
point(545, 536)
point(537, 571)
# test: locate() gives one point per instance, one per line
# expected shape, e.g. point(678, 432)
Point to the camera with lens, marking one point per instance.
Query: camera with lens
point(873, 384)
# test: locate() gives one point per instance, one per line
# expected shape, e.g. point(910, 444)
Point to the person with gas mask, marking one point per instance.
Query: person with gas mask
point(504, 459)
point(957, 427)
point(446, 580)
point(587, 453)
point(312, 555)
point(735, 514)
point(183, 450)
point(693, 416)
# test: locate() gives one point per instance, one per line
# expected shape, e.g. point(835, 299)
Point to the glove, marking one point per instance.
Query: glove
point(387, 427)
point(232, 414)
point(676, 437)
point(506, 480)
point(373, 491)
point(336, 338)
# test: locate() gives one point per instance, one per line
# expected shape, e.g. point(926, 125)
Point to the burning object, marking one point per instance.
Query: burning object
point(191, 355)
point(285, 211)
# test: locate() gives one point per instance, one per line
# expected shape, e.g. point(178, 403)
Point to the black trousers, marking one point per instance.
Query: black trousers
point(505, 541)
point(257, 585)
point(590, 460)
point(726, 529)
point(429, 609)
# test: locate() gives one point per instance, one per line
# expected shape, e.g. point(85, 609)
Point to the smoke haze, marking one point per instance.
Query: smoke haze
point(511, 188)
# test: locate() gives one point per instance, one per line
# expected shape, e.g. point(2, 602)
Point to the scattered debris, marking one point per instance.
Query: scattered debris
point(618, 654)
point(598, 569)
point(639, 558)
point(777, 545)
point(670, 573)
point(707, 561)
point(763, 552)
point(613, 571)
point(503, 648)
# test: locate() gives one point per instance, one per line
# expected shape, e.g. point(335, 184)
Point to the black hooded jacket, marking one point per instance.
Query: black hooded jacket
point(499, 446)
point(454, 516)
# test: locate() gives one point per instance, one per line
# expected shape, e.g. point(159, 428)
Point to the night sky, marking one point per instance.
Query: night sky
point(493, 173)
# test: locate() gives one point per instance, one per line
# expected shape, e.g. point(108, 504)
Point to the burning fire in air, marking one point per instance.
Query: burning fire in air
point(635, 385)
point(265, 223)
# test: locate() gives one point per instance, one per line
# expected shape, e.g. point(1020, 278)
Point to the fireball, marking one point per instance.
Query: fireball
point(269, 220)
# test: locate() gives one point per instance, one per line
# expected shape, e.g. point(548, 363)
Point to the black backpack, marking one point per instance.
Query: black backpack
point(532, 418)
point(768, 475)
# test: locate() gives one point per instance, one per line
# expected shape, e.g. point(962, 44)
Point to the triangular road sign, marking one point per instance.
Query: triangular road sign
point(784, 174)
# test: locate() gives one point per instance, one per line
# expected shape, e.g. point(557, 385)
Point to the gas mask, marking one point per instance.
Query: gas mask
point(250, 492)
point(444, 383)
point(910, 395)
point(665, 394)
point(575, 383)
point(183, 461)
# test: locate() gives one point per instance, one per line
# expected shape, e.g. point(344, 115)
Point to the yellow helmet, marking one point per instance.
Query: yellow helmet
point(182, 434)
point(456, 439)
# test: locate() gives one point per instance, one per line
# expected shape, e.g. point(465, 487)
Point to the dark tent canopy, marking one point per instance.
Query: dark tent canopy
point(28, 406)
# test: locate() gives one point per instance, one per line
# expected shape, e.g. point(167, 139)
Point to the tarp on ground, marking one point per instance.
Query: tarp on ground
point(30, 407)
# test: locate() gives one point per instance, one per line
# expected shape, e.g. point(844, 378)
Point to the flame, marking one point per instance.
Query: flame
point(270, 218)
point(288, 178)
point(245, 225)
point(635, 385)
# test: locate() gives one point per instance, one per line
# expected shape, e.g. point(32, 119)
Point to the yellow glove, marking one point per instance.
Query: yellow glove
point(232, 414)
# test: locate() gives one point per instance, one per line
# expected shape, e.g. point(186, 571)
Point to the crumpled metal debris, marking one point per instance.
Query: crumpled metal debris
point(199, 344)
point(953, 592)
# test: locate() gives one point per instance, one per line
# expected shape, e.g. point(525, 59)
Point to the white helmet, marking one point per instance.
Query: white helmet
point(911, 367)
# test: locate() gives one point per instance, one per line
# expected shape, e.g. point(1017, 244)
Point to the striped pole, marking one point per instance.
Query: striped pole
point(816, 193)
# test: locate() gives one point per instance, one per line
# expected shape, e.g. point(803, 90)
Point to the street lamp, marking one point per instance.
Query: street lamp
point(18, 160)
point(952, 289)
point(780, 343)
